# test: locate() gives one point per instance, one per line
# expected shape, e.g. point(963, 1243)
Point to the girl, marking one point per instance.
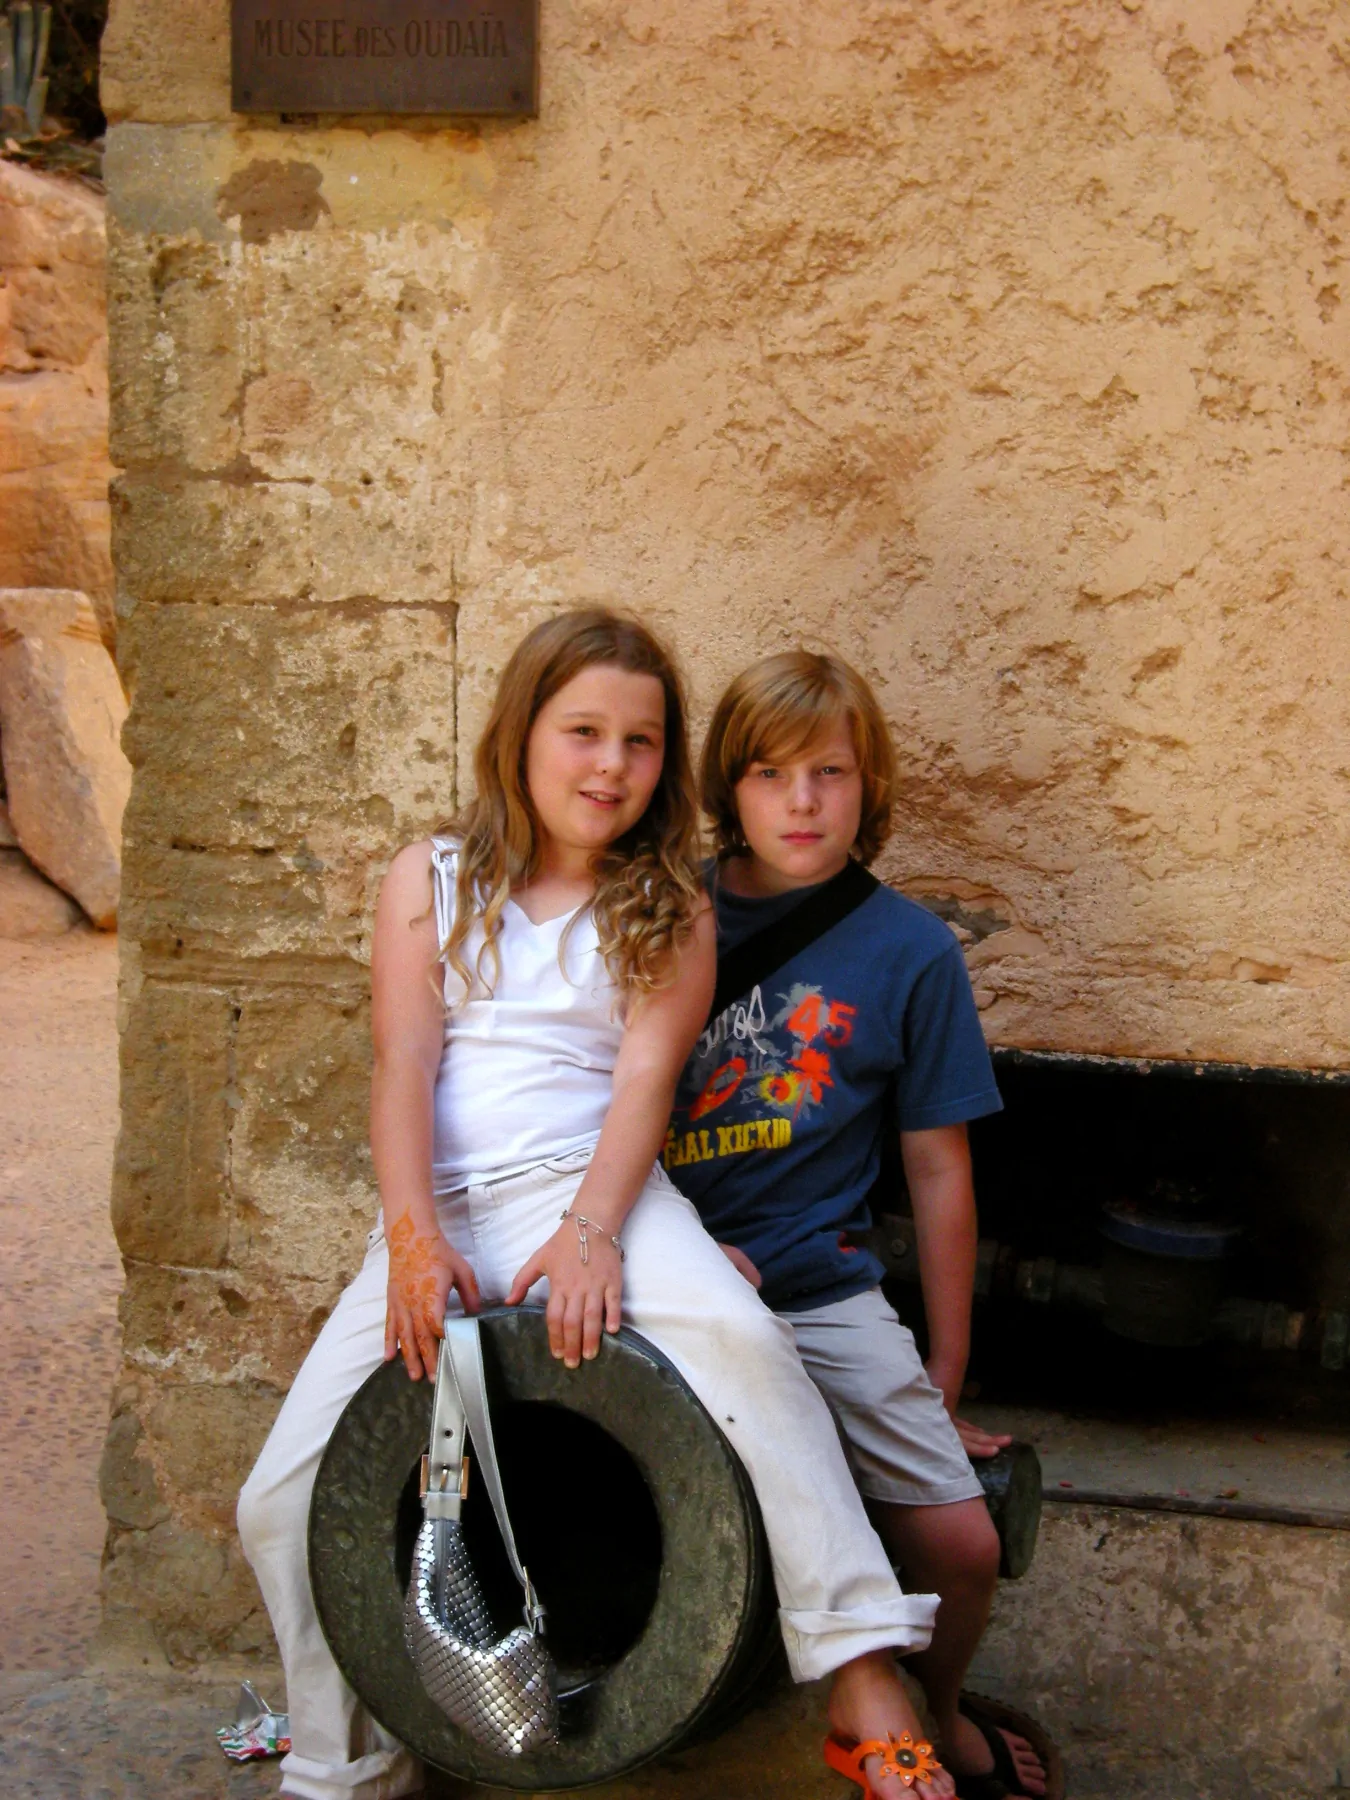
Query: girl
point(536, 1080)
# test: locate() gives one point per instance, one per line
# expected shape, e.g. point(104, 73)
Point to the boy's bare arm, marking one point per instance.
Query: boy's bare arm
point(942, 1192)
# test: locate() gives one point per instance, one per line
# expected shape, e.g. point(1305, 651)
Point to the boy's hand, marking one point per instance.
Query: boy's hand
point(742, 1264)
point(584, 1298)
point(978, 1443)
point(975, 1440)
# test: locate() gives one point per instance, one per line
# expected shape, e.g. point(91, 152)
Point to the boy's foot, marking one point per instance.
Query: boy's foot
point(967, 1751)
point(868, 1700)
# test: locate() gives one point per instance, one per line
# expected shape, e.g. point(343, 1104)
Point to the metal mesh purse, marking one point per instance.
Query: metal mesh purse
point(503, 1692)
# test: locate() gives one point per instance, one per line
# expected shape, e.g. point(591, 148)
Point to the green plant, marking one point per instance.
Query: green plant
point(25, 37)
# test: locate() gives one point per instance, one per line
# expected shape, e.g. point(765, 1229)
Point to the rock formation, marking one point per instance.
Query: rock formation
point(29, 906)
point(61, 713)
point(54, 467)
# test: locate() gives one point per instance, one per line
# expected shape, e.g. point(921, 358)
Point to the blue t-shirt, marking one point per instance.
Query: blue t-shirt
point(779, 1115)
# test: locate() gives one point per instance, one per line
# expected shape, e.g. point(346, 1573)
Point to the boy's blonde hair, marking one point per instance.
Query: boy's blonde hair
point(776, 709)
point(647, 885)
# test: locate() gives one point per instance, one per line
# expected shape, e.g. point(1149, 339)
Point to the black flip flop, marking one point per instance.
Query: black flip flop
point(979, 1787)
point(990, 1718)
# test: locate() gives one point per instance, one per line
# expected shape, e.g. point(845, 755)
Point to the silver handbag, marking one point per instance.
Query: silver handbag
point(503, 1692)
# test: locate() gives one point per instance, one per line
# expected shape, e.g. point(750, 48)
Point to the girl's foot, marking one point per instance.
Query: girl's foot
point(868, 1700)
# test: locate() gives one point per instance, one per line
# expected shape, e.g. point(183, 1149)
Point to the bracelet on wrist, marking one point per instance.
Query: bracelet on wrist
point(585, 1225)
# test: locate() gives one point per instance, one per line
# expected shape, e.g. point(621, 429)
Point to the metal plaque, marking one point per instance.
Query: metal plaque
point(385, 56)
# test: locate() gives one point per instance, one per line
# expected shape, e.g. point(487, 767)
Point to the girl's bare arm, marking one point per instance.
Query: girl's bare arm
point(407, 1026)
point(661, 1031)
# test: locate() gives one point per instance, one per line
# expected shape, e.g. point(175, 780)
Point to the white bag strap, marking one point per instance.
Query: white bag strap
point(460, 1401)
point(444, 854)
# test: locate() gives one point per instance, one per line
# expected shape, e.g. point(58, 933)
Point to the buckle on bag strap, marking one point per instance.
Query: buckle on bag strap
point(445, 1467)
point(439, 1485)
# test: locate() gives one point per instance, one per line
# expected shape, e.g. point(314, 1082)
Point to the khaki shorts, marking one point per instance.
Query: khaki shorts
point(902, 1444)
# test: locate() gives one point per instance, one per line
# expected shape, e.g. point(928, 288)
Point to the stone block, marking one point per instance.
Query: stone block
point(256, 182)
point(61, 713)
point(127, 1484)
point(166, 63)
point(246, 540)
point(29, 906)
point(170, 1199)
point(281, 757)
point(193, 1587)
point(225, 1326)
point(321, 387)
point(178, 312)
point(329, 428)
point(203, 1441)
point(303, 1185)
point(260, 903)
point(1165, 1629)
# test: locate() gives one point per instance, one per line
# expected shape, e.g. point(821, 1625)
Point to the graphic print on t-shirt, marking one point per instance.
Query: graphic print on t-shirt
point(780, 1112)
point(760, 1074)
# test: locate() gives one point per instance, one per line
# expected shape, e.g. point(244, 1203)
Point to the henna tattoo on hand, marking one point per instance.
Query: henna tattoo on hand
point(415, 1258)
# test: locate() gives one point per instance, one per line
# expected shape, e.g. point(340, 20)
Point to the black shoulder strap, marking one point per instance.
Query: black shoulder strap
point(764, 952)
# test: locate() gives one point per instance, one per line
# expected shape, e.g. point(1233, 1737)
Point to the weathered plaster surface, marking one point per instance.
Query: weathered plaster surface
point(1002, 346)
point(1005, 346)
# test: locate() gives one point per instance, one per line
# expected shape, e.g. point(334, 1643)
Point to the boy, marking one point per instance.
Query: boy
point(778, 1125)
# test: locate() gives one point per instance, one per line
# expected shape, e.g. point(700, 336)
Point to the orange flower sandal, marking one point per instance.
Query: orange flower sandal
point(912, 1762)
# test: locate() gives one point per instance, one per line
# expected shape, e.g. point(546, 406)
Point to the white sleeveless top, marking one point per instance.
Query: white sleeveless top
point(528, 1069)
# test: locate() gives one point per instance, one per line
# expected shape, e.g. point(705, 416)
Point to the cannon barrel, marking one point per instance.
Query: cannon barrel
point(634, 1517)
point(639, 1528)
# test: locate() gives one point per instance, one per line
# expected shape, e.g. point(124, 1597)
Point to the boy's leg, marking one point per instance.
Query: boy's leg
point(954, 1549)
point(923, 1496)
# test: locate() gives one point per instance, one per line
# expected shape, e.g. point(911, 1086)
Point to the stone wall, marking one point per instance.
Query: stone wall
point(1005, 346)
point(1171, 1655)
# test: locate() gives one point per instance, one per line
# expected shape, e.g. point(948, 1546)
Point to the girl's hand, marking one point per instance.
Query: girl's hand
point(583, 1298)
point(423, 1270)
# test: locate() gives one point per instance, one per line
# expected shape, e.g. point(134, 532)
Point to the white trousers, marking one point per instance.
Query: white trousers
point(838, 1596)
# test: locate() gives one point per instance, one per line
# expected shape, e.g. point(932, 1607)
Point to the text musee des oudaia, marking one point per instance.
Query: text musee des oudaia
point(484, 37)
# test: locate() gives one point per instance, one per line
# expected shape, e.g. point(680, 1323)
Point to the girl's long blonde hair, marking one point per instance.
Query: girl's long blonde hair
point(647, 882)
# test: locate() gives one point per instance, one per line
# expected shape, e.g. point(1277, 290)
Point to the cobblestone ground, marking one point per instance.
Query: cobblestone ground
point(119, 1737)
point(68, 1729)
point(58, 1304)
